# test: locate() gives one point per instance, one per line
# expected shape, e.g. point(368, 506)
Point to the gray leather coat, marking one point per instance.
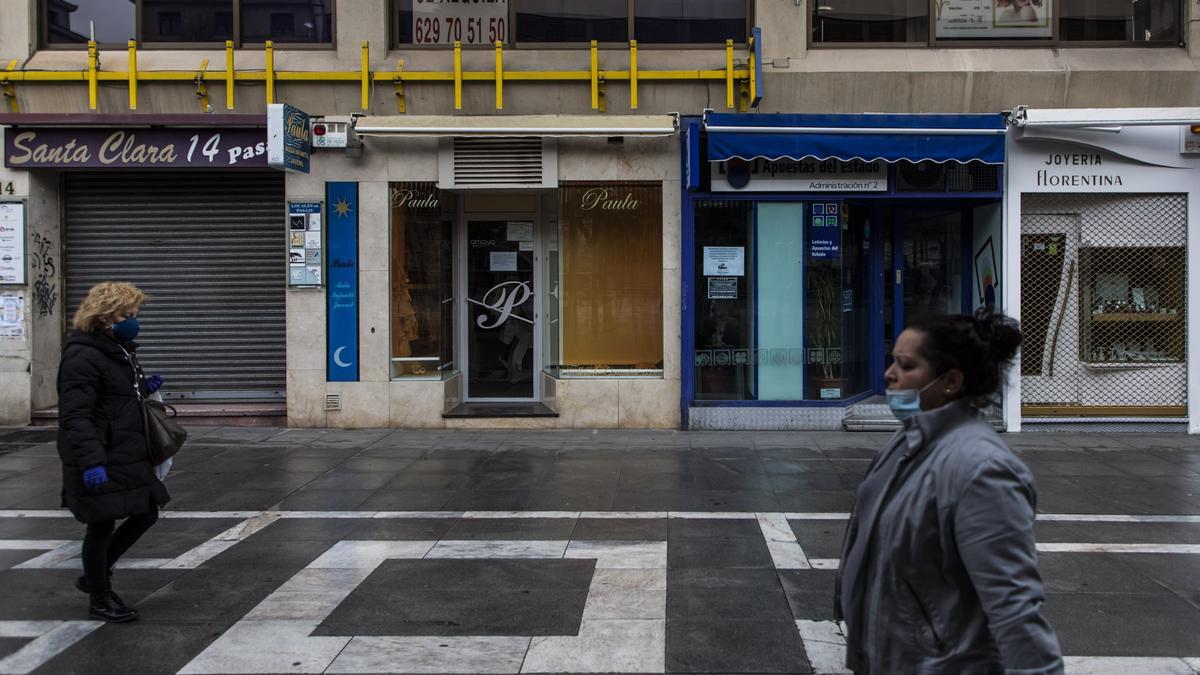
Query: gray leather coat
point(939, 570)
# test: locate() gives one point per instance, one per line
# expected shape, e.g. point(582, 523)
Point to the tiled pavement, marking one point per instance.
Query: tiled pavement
point(588, 551)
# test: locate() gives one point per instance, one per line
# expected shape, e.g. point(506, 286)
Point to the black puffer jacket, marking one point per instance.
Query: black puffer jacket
point(100, 423)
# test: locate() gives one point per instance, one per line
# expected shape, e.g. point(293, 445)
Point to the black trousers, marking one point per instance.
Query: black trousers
point(103, 547)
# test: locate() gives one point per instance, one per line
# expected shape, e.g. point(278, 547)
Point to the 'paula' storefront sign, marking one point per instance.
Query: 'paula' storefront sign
point(289, 138)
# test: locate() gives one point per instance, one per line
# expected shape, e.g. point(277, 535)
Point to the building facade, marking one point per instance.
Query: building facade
point(518, 234)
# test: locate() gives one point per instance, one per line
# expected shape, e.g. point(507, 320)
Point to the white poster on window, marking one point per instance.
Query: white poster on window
point(994, 19)
point(724, 261)
point(471, 22)
point(503, 261)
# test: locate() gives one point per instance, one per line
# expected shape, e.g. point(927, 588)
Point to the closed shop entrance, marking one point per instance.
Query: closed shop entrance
point(205, 248)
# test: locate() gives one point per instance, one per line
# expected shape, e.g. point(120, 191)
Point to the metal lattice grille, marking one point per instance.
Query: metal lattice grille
point(1103, 298)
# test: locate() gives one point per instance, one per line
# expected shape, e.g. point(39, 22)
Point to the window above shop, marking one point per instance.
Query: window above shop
point(571, 22)
point(1002, 22)
point(186, 22)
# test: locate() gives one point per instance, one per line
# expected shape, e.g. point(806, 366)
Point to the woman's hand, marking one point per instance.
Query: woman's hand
point(95, 477)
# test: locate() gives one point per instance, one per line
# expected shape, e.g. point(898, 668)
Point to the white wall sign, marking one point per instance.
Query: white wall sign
point(471, 22)
point(503, 261)
point(12, 242)
point(808, 175)
point(724, 261)
point(12, 315)
point(994, 19)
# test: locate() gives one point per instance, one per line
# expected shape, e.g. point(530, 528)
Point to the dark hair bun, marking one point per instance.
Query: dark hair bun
point(981, 346)
point(1000, 333)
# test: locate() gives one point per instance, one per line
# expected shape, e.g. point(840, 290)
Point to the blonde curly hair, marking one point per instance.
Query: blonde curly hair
point(104, 300)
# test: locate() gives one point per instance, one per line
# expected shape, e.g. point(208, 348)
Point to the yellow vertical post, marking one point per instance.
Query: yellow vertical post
point(458, 80)
point(399, 82)
point(9, 92)
point(753, 70)
point(133, 75)
point(366, 75)
point(93, 65)
point(499, 75)
point(270, 72)
point(229, 74)
point(729, 73)
point(595, 77)
point(633, 74)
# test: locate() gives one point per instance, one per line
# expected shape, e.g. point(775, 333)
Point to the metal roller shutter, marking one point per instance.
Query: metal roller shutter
point(208, 249)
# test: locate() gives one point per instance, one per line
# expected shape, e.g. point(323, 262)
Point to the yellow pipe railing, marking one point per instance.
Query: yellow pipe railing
point(595, 76)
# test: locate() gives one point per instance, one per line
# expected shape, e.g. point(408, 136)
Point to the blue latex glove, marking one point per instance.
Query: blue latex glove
point(95, 477)
point(153, 383)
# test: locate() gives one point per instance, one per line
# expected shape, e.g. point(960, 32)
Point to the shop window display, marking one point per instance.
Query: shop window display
point(780, 301)
point(422, 289)
point(603, 303)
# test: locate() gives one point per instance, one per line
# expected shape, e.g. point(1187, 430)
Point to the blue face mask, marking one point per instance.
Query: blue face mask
point(126, 330)
point(906, 402)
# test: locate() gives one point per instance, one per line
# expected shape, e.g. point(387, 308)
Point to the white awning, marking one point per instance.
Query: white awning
point(555, 126)
point(1102, 117)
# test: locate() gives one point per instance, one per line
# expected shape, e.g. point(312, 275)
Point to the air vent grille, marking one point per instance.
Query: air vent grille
point(333, 402)
point(491, 163)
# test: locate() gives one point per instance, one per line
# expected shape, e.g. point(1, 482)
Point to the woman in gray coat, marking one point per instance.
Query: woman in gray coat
point(939, 570)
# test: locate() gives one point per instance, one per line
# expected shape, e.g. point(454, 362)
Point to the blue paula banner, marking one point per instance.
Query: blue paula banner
point(341, 255)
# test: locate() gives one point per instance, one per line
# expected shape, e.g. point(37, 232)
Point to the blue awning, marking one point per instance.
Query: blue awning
point(868, 137)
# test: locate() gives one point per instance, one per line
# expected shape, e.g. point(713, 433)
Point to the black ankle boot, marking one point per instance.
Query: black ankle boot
point(108, 607)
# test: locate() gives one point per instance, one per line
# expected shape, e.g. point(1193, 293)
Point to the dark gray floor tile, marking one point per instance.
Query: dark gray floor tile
point(485, 576)
point(820, 538)
point(727, 500)
point(41, 528)
point(427, 481)
point(11, 645)
point(307, 529)
point(796, 482)
point(46, 477)
point(815, 501)
point(656, 500)
point(11, 558)
point(220, 596)
point(502, 480)
point(809, 593)
point(726, 593)
point(1112, 624)
point(405, 611)
point(1080, 468)
point(29, 436)
point(633, 480)
point(375, 464)
point(710, 528)
point(407, 500)
point(400, 529)
point(489, 500)
point(788, 466)
point(1118, 533)
point(123, 648)
point(352, 480)
point(289, 554)
point(739, 552)
point(1093, 573)
point(734, 646)
point(512, 528)
point(789, 452)
point(1180, 573)
point(633, 529)
point(317, 499)
point(445, 464)
point(600, 499)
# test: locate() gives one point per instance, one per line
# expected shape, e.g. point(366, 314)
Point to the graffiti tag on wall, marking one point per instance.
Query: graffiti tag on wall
point(45, 290)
